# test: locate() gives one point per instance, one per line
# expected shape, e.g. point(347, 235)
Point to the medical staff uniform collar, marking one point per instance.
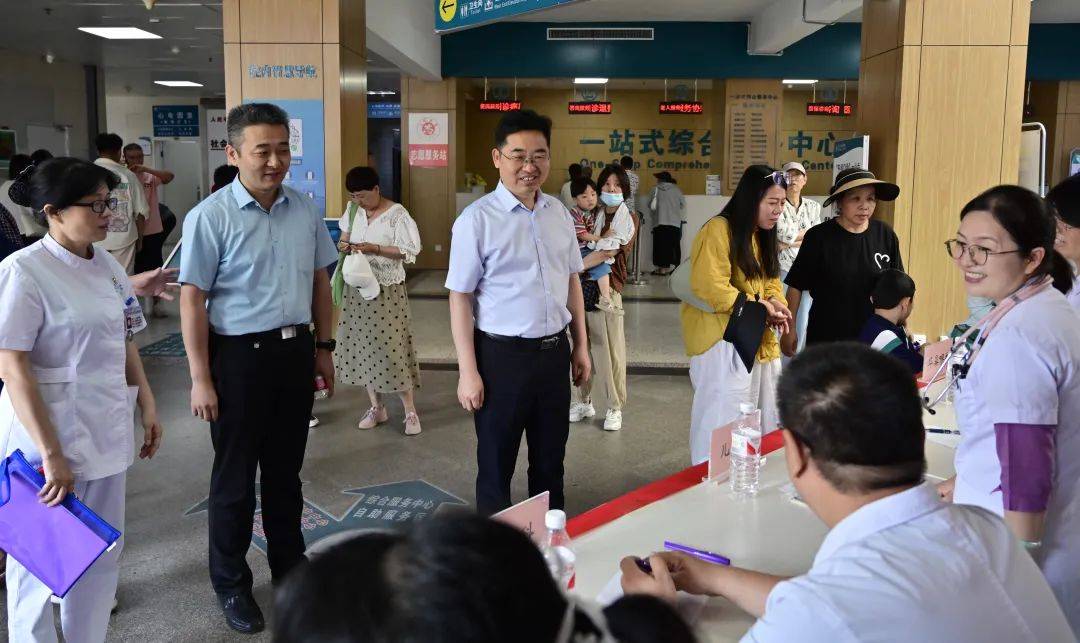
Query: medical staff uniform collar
point(65, 255)
point(244, 198)
point(878, 516)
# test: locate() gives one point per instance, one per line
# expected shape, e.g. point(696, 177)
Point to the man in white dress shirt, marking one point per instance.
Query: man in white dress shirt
point(897, 563)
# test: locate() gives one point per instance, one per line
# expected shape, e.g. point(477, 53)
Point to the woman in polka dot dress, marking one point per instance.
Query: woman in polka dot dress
point(374, 338)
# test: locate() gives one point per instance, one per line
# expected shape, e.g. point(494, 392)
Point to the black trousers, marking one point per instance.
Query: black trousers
point(666, 249)
point(150, 256)
point(265, 393)
point(524, 391)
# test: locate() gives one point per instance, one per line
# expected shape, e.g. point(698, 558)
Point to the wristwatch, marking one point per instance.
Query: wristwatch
point(329, 345)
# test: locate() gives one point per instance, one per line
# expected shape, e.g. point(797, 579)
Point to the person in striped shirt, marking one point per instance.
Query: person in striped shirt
point(893, 297)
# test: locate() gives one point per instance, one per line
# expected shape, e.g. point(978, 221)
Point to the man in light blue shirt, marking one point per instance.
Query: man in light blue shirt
point(514, 290)
point(898, 563)
point(252, 269)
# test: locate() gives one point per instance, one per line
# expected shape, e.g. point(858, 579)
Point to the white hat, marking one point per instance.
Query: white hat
point(794, 165)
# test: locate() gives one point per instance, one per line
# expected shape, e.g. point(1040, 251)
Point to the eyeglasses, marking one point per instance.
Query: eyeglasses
point(778, 178)
point(539, 158)
point(978, 254)
point(99, 206)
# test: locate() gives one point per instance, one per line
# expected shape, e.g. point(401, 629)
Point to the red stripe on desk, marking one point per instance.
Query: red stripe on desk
point(650, 493)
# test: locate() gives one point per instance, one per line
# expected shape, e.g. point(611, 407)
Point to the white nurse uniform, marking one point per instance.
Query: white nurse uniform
point(74, 316)
point(1028, 372)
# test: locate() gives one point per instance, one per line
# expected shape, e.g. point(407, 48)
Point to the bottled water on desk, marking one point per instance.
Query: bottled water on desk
point(745, 454)
point(558, 550)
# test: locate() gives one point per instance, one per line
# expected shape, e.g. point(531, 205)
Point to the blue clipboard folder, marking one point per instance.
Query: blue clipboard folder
point(56, 544)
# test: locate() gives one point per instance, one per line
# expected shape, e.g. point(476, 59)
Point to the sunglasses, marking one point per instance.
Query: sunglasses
point(778, 178)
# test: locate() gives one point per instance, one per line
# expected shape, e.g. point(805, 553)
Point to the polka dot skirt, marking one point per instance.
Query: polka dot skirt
point(375, 342)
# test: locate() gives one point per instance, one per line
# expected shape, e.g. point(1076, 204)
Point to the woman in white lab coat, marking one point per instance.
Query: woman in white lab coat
point(73, 376)
point(1018, 388)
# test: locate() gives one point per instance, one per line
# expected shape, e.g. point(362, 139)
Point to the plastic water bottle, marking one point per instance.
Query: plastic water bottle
point(558, 550)
point(322, 391)
point(745, 454)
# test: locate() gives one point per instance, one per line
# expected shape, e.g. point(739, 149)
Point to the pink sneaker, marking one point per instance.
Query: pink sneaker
point(375, 416)
point(412, 424)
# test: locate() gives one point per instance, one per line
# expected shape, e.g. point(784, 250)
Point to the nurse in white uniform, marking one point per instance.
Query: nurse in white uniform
point(73, 376)
point(1065, 197)
point(1018, 389)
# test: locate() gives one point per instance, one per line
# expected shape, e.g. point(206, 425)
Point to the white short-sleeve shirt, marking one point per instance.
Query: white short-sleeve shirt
point(909, 567)
point(622, 230)
point(73, 316)
point(395, 227)
point(1028, 372)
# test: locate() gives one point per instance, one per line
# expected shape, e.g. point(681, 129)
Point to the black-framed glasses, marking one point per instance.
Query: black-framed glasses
point(537, 159)
point(99, 206)
point(978, 254)
point(778, 178)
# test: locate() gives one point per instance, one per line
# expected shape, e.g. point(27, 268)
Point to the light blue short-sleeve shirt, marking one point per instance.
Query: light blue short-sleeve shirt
point(257, 267)
point(516, 263)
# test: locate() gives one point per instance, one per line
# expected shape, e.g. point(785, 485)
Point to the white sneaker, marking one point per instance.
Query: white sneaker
point(313, 422)
point(581, 410)
point(613, 421)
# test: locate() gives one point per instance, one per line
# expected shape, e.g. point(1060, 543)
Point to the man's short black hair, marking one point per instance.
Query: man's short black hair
point(108, 143)
point(858, 412)
point(40, 155)
point(133, 147)
point(522, 120)
point(224, 175)
point(574, 171)
point(249, 114)
point(627, 162)
point(892, 287)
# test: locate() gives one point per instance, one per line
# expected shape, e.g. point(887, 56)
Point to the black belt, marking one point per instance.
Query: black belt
point(278, 334)
point(528, 343)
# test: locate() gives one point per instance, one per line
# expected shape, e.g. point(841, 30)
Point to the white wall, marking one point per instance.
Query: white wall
point(33, 92)
point(403, 32)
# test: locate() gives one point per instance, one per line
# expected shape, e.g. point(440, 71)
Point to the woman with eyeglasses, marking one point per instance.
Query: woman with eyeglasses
point(1017, 389)
point(374, 336)
point(734, 258)
point(1065, 197)
point(73, 378)
point(840, 259)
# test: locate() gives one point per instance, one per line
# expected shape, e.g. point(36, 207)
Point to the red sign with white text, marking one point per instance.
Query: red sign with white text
point(589, 107)
point(682, 107)
point(429, 140)
point(830, 109)
point(499, 105)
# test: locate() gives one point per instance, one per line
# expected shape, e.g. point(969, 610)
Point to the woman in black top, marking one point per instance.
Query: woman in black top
point(840, 260)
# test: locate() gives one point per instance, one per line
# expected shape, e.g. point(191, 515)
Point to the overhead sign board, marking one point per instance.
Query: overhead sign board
point(384, 110)
point(682, 107)
point(589, 107)
point(830, 109)
point(499, 105)
point(176, 120)
point(451, 15)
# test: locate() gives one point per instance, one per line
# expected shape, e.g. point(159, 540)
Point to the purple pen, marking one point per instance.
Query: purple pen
point(706, 556)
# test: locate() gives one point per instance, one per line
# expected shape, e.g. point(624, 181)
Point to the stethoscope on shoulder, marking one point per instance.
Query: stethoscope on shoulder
point(961, 355)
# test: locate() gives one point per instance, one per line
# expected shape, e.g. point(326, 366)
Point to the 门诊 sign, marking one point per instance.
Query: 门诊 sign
point(589, 107)
point(499, 105)
point(682, 107)
point(830, 109)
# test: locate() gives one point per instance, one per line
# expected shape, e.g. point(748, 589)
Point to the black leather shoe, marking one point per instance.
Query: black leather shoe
point(242, 613)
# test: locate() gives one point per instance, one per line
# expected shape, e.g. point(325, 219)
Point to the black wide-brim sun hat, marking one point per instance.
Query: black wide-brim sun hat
point(855, 177)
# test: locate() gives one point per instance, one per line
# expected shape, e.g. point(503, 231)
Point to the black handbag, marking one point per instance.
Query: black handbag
point(590, 290)
point(745, 328)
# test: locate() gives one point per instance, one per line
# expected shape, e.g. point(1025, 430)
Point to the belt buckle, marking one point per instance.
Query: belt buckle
point(288, 332)
point(549, 342)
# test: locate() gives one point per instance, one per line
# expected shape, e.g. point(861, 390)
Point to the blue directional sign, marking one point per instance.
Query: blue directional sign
point(377, 507)
point(176, 120)
point(451, 15)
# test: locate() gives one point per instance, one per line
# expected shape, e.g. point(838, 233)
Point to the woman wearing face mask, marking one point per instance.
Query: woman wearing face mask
point(1065, 197)
point(1018, 389)
point(73, 378)
point(616, 227)
point(839, 261)
point(735, 254)
point(375, 341)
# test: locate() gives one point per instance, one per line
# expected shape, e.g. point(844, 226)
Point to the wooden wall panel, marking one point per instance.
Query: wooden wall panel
point(1014, 115)
point(345, 118)
point(881, 26)
point(967, 22)
point(1021, 20)
point(958, 154)
point(259, 54)
point(1072, 97)
point(281, 21)
point(879, 117)
point(230, 20)
point(234, 76)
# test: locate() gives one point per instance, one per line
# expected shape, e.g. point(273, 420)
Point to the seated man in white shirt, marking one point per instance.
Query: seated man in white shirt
point(897, 563)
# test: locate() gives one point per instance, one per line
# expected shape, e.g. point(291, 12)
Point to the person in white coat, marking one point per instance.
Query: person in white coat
point(1065, 197)
point(73, 377)
point(898, 564)
point(1017, 389)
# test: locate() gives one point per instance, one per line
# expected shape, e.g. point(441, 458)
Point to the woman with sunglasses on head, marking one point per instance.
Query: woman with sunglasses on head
point(1065, 197)
point(840, 259)
point(734, 258)
point(73, 377)
point(1017, 389)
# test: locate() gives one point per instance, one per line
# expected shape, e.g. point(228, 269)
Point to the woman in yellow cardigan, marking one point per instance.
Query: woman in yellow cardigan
point(735, 252)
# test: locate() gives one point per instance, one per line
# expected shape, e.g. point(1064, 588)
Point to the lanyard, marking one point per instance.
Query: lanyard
point(987, 324)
